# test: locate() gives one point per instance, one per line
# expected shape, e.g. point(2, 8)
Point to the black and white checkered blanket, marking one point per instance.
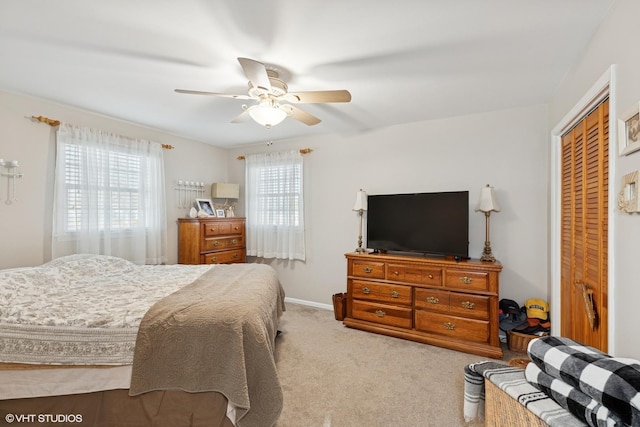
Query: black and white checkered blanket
point(513, 382)
point(595, 387)
point(579, 404)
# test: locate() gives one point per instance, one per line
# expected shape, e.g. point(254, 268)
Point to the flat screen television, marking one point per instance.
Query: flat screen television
point(428, 223)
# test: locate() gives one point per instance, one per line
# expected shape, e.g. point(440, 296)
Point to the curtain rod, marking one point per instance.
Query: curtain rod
point(54, 123)
point(302, 151)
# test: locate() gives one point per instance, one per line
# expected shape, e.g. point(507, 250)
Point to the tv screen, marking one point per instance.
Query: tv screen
point(429, 223)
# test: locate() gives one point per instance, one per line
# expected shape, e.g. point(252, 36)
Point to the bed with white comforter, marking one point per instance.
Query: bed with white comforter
point(85, 311)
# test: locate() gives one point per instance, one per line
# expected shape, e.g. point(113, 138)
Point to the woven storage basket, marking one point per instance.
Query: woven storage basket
point(518, 342)
point(502, 410)
point(340, 306)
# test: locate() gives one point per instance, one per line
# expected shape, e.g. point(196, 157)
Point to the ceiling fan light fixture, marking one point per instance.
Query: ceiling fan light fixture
point(267, 114)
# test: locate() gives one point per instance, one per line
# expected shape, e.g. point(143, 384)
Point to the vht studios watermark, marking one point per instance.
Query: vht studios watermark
point(43, 418)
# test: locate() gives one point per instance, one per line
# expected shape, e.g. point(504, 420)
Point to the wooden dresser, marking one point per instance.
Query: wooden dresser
point(447, 303)
point(211, 240)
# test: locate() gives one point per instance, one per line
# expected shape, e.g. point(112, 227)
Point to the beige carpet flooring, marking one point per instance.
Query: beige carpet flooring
point(334, 376)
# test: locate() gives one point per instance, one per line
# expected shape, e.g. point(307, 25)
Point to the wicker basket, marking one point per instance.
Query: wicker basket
point(340, 306)
point(502, 410)
point(518, 342)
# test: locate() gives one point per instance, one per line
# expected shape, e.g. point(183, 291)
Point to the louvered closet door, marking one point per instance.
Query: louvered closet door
point(585, 176)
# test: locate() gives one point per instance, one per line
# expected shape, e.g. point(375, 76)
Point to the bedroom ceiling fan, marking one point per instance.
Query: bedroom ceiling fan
point(273, 100)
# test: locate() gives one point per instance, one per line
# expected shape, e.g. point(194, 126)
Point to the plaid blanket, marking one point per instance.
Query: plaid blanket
point(579, 404)
point(612, 382)
point(512, 381)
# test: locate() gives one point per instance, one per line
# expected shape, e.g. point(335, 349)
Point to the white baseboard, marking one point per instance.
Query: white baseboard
point(309, 303)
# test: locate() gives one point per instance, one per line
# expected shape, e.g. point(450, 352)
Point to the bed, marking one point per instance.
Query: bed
point(100, 340)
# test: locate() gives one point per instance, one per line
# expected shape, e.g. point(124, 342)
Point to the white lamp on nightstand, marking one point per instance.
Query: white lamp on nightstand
point(223, 190)
point(487, 203)
point(360, 207)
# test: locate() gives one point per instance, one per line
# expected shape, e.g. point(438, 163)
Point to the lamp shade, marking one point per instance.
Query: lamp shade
point(361, 201)
point(267, 114)
point(487, 201)
point(223, 190)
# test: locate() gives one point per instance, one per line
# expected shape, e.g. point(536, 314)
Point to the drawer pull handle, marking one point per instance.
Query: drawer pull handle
point(366, 291)
point(450, 326)
point(216, 243)
point(234, 241)
point(213, 260)
point(430, 276)
point(468, 304)
point(235, 256)
point(367, 269)
point(466, 280)
point(433, 300)
point(380, 313)
point(397, 273)
point(395, 294)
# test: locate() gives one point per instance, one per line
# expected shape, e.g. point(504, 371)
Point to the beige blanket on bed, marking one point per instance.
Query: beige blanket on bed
point(216, 334)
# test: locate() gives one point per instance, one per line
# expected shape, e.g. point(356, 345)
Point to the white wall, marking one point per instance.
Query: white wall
point(615, 43)
point(506, 149)
point(25, 226)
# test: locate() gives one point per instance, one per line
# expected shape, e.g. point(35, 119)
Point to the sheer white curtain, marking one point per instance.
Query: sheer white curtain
point(109, 196)
point(274, 205)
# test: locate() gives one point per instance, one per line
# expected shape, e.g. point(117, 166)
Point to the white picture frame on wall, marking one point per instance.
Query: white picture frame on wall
point(628, 200)
point(629, 131)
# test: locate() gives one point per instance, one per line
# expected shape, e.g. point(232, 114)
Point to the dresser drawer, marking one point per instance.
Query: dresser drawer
point(414, 274)
point(469, 305)
point(404, 273)
point(224, 257)
point(382, 313)
point(432, 299)
point(432, 276)
point(220, 243)
point(452, 326)
point(462, 279)
point(222, 228)
point(392, 294)
point(373, 270)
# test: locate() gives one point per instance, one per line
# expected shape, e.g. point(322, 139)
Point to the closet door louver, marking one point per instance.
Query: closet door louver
point(584, 228)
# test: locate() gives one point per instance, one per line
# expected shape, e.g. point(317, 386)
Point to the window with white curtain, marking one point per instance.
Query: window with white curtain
point(109, 196)
point(275, 205)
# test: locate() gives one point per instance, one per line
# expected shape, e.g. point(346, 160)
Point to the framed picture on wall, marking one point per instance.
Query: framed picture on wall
point(629, 131)
point(205, 205)
point(628, 200)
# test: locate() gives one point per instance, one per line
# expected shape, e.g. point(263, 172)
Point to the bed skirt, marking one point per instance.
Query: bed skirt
point(166, 408)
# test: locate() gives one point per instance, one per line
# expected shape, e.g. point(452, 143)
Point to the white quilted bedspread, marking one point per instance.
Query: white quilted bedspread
point(81, 309)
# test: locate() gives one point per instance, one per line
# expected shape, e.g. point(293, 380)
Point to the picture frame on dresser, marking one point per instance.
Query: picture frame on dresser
point(206, 206)
point(220, 213)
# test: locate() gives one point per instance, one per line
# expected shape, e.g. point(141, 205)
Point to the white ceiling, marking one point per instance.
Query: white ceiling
point(402, 61)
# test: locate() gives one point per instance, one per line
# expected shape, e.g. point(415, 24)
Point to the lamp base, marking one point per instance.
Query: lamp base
point(487, 256)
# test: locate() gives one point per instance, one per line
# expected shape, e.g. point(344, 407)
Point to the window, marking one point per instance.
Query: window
point(109, 196)
point(275, 208)
point(117, 189)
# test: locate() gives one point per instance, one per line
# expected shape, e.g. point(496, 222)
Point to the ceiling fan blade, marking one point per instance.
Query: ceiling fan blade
point(300, 115)
point(224, 95)
point(242, 117)
point(256, 73)
point(318, 96)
